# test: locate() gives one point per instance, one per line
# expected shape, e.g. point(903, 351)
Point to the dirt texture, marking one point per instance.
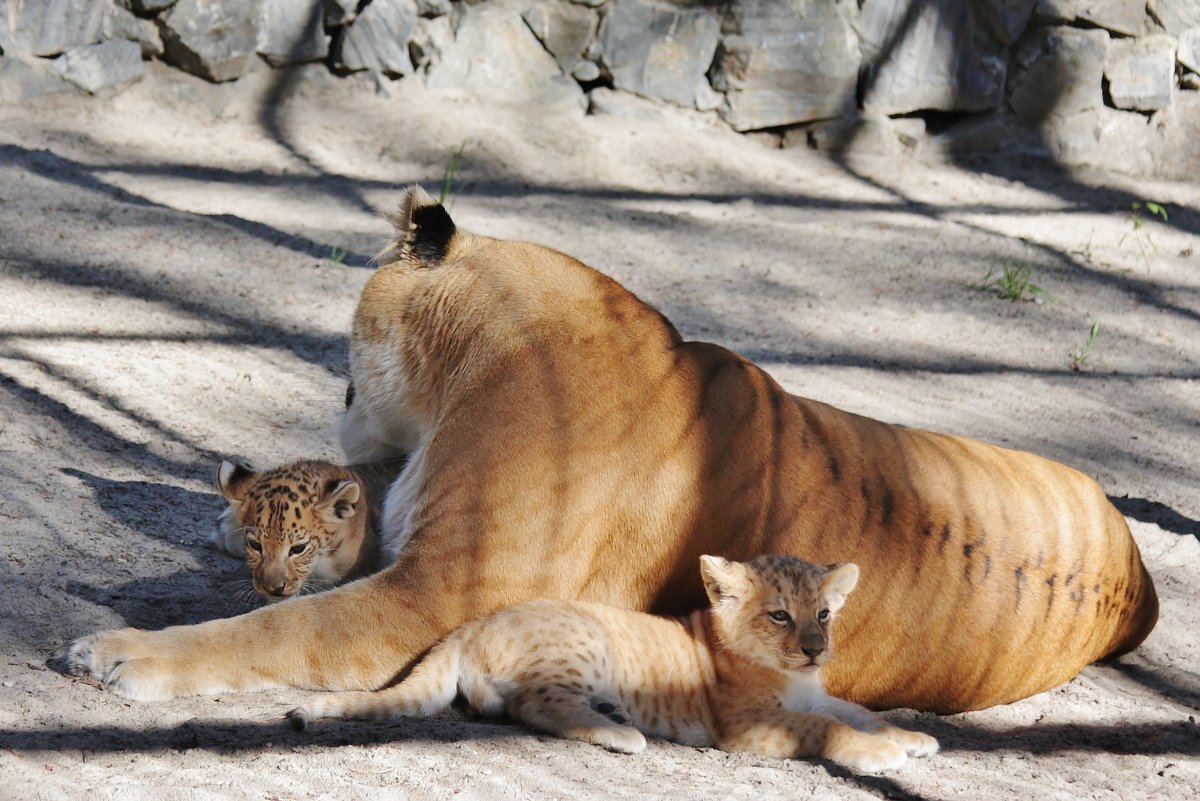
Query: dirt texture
point(178, 267)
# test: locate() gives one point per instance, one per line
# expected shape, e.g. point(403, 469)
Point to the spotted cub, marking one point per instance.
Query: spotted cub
point(742, 675)
point(309, 524)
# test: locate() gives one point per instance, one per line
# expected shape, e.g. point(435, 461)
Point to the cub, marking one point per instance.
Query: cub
point(742, 675)
point(308, 523)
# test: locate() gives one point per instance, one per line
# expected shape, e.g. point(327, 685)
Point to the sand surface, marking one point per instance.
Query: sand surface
point(172, 292)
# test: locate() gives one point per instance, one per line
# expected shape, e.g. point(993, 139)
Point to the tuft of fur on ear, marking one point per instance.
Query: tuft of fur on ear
point(232, 480)
point(339, 500)
point(423, 230)
point(839, 582)
point(723, 580)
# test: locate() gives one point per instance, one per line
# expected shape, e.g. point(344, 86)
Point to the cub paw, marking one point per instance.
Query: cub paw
point(299, 718)
point(872, 756)
point(622, 739)
point(914, 743)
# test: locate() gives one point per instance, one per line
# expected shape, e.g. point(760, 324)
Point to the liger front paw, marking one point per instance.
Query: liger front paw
point(120, 660)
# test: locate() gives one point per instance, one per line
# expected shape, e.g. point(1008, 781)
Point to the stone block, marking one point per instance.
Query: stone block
point(214, 39)
point(120, 23)
point(495, 56)
point(100, 66)
point(997, 132)
point(658, 50)
point(1120, 16)
point(377, 39)
point(868, 134)
point(1187, 52)
point(1141, 72)
point(1175, 16)
point(50, 27)
point(1057, 71)
point(24, 78)
point(565, 30)
point(430, 37)
point(292, 31)
point(782, 63)
point(433, 8)
point(944, 55)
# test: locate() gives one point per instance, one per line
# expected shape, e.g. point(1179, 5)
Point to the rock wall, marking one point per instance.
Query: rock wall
point(1114, 83)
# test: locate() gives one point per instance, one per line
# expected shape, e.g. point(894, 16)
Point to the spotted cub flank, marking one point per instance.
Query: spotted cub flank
point(303, 526)
point(742, 675)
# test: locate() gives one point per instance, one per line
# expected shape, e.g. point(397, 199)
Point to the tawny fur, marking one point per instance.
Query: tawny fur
point(742, 675)
point(567, 443)
point(307, 524)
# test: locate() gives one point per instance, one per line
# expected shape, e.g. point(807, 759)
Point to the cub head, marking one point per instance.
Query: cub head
point(301, 522)
point(777, 610)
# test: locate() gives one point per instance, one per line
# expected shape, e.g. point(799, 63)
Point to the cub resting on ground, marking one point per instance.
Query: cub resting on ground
point(307, 524)
point(742, 675)
point(565, 442)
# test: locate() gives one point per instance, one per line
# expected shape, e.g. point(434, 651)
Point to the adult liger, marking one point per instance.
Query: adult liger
point(565, 442)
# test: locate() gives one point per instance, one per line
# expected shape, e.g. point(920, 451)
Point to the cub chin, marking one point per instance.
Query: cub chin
point(305, 526)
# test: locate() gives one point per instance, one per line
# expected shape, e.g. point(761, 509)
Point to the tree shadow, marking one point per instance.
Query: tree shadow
point(1161, 515)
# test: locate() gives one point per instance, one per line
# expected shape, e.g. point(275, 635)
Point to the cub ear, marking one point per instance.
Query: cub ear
point(423, 230)
point(232, 481)
point(723, 580)
point(339, 500)
point(838, 582)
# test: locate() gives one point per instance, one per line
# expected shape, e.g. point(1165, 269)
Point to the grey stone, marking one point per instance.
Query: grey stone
point(120, 23)
point(1141, 72)
point(339, 12)
point(944, 55)
point(1188, 51)
point(1120, 16)
point(495, 55)
point(563, 29)
point(433, 8)
point(6, 40)
point(1179, 154)
point(658, 50)
point(377, 40)
point(50, 27)
point(1175, 16)
point(22, 79)
point(214, 39)
point(1103, 137)
point(1057, 71)
point(586, 71)
point(785, 62)
point(291, 31)
point(868, 134)
point(101, 66)
point(430, 36)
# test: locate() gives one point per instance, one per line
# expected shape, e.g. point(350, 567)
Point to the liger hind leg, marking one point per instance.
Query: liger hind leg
point(577, 715)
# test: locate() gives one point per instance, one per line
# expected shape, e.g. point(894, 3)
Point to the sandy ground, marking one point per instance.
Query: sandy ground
point(170, 294)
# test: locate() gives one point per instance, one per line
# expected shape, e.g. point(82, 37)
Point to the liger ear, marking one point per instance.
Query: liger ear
point(724, 580)
point(339, 500)
point(839, 582)
point(232, 481)
point(423, 230)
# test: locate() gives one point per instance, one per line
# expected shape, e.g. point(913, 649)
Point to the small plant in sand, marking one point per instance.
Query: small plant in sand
point(1137, 219)
point(1014, 282)
point(448, 175)
point(337, 255)
point(1078, 358)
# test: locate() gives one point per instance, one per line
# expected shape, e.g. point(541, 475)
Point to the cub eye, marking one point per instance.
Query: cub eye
point(780, 616)
point(254, 545)
point(823, 616)
point(298, 548)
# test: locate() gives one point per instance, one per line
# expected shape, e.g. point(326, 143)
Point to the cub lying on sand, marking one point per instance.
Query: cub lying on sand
point(307, 524)
point(567, 442)
point(742, 675)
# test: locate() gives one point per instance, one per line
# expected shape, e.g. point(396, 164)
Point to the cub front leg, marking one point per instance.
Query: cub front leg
point(914, 743)
point(787, 735)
